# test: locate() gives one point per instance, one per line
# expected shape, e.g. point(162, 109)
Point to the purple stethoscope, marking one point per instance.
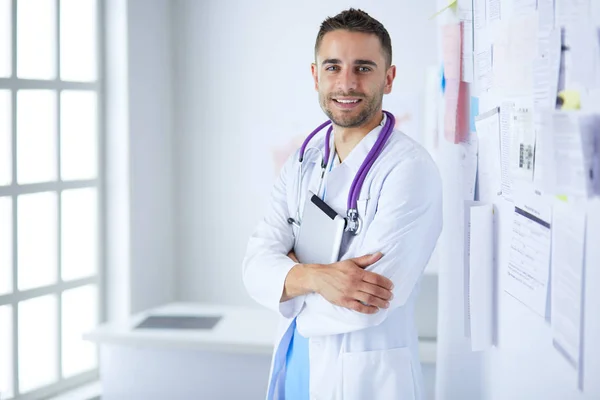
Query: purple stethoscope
point(352, 217)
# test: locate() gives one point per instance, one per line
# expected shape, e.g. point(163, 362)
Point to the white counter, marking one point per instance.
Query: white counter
point(230, 360)
point(241, 330)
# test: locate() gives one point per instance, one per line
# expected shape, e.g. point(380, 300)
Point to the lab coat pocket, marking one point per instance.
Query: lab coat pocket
point(378, 375)
point(361, 206)
point(365, 212)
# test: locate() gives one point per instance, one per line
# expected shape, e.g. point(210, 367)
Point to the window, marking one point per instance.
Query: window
point(51, 192)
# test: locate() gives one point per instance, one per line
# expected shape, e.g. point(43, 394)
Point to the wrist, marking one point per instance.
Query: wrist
point(301, 279)
point(312, 280)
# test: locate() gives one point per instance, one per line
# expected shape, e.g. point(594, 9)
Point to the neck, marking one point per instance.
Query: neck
point(346, 139)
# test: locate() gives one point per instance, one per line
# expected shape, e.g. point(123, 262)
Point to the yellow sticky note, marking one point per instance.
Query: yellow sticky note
point(452, 5)
point(562, 197)
point(571, 100)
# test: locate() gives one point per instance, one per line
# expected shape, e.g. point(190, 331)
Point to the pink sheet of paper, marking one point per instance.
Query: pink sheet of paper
point(456, 118)
point(451, 50)
point(456, 92)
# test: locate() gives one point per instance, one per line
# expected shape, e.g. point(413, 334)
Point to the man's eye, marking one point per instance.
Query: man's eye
point(364, 69)
point(332, 68)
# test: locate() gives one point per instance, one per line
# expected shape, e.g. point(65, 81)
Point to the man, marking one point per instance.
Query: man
point(346, 329)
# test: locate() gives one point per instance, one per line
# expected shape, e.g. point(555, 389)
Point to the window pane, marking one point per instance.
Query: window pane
point(5, 39)
point(6, 244)
point(37, 343)
point(36, 39)
point(79, 145)
point(79, 233)
point(6, 352)
point(5, 138)
point(36, 240)
point(79, 315)
point(78, 40)
point(36, 136)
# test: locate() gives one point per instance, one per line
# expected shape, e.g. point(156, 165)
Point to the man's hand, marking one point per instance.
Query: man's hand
point(347, 284)
point(344, 283)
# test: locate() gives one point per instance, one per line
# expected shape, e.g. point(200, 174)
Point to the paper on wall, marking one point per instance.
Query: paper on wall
point(455, 94)
point(545, 15)
point(479, 19)
point(468, 165)
point(545, 94)
point(479, 273)
point(489, 168)
point(528, 267)
point(514, 50)
point(571, 12)
point(482, 49)
point(547, 71)
point(483, 69)
point(524, 6)
point(584, 52)
point(451, 51)
point(506, 110)
point(465, 14)
point(492, 9)
point(568, 243)
point(522, 143)
point(567, 153)
point(456, 118)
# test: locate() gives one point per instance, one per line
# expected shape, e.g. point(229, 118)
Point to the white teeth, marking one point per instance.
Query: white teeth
point(347, 101)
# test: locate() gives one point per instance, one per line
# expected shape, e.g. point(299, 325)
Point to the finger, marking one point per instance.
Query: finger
point(375, 290)
point(379, 280)
point(368, 259)
point(361, 308)
point(292, 255)
point(371, 300)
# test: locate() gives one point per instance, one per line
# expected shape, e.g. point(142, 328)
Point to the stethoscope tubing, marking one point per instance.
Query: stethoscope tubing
point(360, 176)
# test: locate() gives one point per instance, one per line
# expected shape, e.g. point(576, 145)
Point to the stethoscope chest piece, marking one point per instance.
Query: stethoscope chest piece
point(353, 222)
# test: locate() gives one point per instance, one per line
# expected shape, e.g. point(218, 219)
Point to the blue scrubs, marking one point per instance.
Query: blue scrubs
point(297, 369)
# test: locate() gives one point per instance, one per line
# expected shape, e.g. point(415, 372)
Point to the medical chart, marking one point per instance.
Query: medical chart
point(529, 260)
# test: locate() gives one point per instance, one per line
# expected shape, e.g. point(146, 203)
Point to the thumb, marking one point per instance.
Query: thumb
point(368, 259)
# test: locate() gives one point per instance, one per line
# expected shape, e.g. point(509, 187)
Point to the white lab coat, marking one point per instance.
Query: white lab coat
point(354, 356)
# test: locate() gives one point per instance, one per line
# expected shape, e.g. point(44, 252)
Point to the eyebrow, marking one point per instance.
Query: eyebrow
point(356, 62)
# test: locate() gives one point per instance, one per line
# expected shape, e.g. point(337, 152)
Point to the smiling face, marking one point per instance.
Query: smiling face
point(351, 75)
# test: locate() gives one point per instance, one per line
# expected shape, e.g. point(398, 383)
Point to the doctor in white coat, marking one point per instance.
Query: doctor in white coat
point(356, 315)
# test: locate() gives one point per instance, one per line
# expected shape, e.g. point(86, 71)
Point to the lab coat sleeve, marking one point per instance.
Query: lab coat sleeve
point(405, 228)
point(266, 264)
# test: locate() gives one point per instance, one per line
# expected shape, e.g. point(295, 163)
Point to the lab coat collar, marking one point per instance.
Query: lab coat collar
point(358, 154)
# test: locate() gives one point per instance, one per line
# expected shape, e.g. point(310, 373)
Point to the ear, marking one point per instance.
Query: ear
point(389, 79)
point(315, 74)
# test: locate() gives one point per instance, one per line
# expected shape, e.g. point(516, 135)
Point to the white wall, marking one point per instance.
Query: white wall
point(151, 128)
point(139, 205)
point(243, 85)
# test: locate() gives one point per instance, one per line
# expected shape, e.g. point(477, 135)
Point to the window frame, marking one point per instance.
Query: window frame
point(13, 84)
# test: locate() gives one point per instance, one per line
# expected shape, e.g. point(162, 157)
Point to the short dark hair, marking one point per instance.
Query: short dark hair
point(354, 20)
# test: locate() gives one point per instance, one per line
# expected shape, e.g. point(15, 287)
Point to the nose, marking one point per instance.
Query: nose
point(346, 81)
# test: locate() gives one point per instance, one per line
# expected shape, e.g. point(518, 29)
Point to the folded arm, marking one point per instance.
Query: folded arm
point(405, 229)
point(266, 264)
point(274, 277)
